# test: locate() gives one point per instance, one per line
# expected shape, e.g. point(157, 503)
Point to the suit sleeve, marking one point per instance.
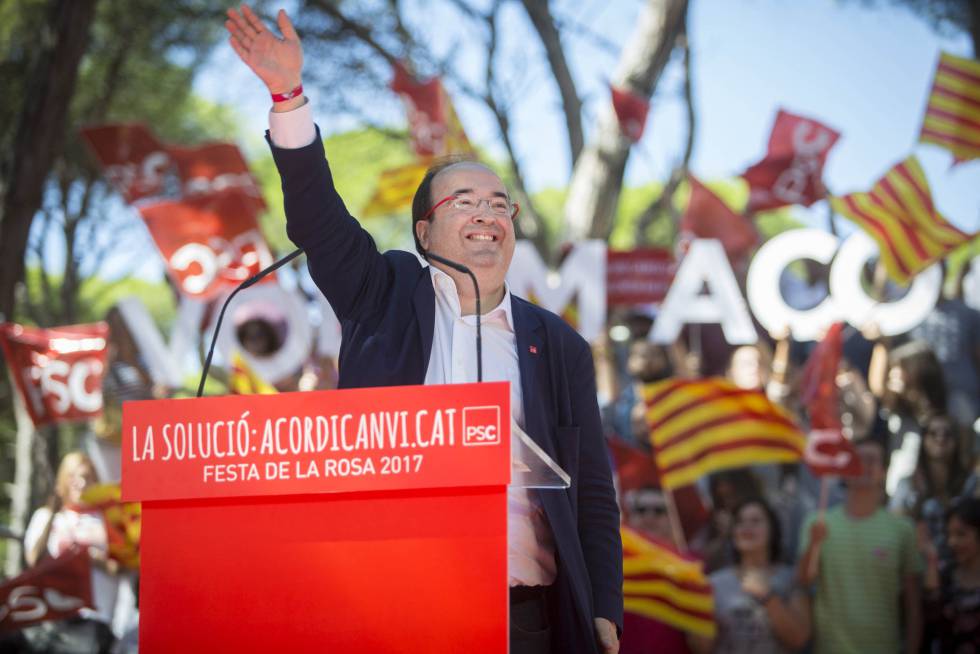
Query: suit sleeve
point(598, 512)
point(343, 259)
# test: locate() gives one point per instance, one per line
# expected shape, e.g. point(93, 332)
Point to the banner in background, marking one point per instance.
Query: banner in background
point(54, 589)
point(58, 371)
point(134, 161)
point(213, 168)
point(208, 243)
point(792, 169)
point(142, 167)
point(640, 276)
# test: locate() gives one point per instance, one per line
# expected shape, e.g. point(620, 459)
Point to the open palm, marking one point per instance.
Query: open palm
point(278, 62)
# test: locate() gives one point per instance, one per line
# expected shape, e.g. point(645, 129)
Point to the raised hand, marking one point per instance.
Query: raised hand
point(278, 62)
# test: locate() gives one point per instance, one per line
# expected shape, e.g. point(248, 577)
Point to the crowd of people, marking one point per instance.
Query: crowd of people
point(890, 562)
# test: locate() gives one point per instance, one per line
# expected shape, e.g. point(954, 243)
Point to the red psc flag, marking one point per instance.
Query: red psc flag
point(213, 168)
point(209, 243)
point(792, 169)
point(827, 452)
point(631, 112)
point(58, 371)
point(141, 167)
point(707, 216)
point(134, 161)
point(52, 590)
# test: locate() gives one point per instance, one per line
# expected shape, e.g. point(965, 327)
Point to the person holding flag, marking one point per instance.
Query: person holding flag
point(405, 323)
point(864, 564)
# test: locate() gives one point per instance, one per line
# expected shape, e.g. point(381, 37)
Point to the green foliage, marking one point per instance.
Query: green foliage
point(97, 296)
point(357, 159)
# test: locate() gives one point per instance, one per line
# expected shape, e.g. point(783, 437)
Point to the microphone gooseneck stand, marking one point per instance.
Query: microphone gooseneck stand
point(254, 279)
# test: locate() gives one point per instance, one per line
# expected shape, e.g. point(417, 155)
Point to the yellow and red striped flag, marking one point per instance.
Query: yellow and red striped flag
point(898, 213)
point(395, 190)
point(123, 522)
point(952, 117)
point(243, 380)
point(660, 584)
point(699, 426)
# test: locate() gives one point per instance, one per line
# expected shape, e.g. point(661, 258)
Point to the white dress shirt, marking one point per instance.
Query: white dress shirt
point(530, 543)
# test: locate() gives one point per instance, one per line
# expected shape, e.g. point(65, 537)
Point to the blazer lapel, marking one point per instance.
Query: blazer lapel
point(532, 360)
point(424, 300)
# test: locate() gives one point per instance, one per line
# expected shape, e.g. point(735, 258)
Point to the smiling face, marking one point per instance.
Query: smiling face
point(477, 238)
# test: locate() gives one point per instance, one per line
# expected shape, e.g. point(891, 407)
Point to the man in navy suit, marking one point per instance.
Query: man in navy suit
point(405, 323)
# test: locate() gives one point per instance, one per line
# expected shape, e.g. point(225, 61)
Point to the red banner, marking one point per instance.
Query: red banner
point(640, 276)
point(141, 167)
point(209, 243)
point(707, 216)
point(58, 371)
point(436, 130)
point(828, 452)
point(631, 112)
point(213, 168)
point(314, 442)
point(792, 169)
point(135, 162)
point(52, 590)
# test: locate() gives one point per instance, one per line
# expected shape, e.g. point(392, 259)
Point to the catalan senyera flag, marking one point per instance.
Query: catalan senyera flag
point(898, 213)
point(699, 426)
point(952, 119)
point(243, 380)
point(395, 191)
point(660, 584)
point(123, 522)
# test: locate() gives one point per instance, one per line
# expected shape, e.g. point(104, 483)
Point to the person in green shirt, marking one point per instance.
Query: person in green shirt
point(863, 563)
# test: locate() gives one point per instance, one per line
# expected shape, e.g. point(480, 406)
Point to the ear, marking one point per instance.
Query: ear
point(422, 231)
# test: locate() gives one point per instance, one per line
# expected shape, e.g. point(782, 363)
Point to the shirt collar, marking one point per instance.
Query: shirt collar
point(445, 287)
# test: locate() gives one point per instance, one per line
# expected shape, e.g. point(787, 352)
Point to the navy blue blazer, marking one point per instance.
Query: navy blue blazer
point(386, 305)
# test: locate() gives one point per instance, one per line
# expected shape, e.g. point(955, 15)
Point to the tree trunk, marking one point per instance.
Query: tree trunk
point(40, 133)
point(593, 194)
point(20, 490)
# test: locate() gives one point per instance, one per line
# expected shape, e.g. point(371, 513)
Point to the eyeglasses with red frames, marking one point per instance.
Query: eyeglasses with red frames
point(499, 207)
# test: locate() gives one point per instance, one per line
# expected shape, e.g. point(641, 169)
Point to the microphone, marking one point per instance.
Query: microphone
point(476, 288)
point(254, 279)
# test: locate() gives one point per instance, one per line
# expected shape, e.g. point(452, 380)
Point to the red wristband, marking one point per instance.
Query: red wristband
point(289, 95)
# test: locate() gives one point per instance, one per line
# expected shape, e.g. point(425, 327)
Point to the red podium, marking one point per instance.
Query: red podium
point(370, 520)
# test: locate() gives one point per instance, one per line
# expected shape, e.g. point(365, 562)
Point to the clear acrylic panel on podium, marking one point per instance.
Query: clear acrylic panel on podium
point(531, 467)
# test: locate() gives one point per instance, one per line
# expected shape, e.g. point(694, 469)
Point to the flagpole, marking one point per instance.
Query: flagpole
point(675, 520)
point(821, 514)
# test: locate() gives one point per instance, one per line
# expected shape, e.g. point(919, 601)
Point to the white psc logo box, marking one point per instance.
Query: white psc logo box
point(481, 425)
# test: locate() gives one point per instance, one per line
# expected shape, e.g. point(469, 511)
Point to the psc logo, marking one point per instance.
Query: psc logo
point(481, 425)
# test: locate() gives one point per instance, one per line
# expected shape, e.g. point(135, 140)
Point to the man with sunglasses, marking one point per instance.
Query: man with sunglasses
point(405, 323)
